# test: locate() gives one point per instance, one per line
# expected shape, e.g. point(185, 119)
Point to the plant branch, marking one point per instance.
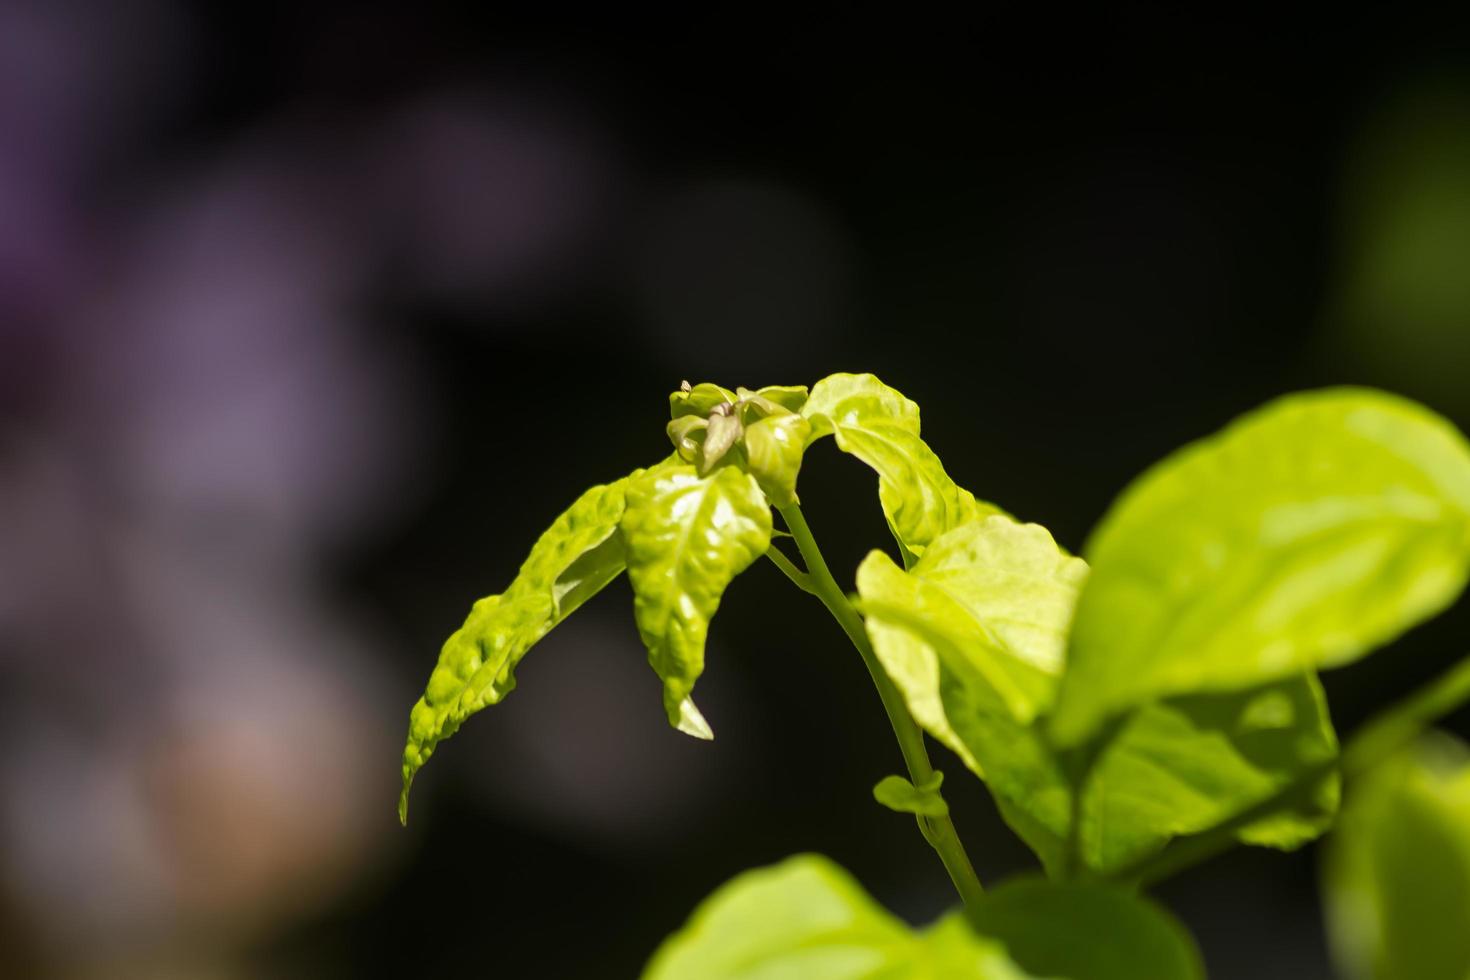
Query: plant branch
point(798, 578)
point(938, 831)
point(1377, 739)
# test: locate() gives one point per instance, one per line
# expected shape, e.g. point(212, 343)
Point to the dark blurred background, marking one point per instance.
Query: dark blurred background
point(313, 315)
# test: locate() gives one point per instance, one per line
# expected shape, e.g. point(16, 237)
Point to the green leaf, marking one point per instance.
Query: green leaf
point(1189, 764)
point(1086, 932)
point(699, 399)
point(881, 427)
point(724, 431)
point(789, 398)
point(1397, 875)
point(773, 449)
point(1303, 535)
point(807, 919)
point(995, 594)
point(687, 433)
point(1172, 769)
point(579, 554)
point(902, 796)
point(687, 537)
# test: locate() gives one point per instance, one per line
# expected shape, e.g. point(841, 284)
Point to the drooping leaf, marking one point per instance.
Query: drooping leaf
point(687, 536)
point(881, 427)
point(806, 919)
point(1397, 875)
point(996, 589)
point(1303, 535)
point(902, 796)
point(1086, 932)
point(580, 553)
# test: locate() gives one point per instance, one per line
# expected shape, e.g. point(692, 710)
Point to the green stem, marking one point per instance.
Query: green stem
point(938, 831)
point(798, 578)
point(1380, 737)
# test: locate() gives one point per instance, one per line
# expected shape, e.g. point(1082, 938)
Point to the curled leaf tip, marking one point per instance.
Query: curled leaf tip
point(691, 721)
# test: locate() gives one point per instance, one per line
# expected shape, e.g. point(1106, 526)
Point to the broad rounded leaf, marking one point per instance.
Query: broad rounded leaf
point(1397, 874)
point(687, 536)
point(1086, 932)
point(880, 426)
point(1303, 535)
point(579, 554)
point(806, 919)
point(996, 594)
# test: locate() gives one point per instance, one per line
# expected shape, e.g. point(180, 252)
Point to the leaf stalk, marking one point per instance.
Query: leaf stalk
point(938, 831)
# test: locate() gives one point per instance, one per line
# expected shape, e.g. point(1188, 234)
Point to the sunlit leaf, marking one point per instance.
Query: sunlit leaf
point(687, 536)
point(996, 594)
point(1397, 876)
point(881, 427)
point(806, 919)
point(1000, 592)
point(1086, 932)
point(1303, 535)
point(579, 554)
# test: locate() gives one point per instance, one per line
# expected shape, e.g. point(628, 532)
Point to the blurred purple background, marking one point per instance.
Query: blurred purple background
point(311, 318)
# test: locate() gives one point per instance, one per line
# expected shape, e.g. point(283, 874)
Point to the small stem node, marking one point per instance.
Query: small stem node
point(800, 579)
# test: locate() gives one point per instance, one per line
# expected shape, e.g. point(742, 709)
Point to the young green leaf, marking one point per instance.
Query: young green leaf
point(773, 399)
point(687, 536)
point(806, 919)
point(1000, 591)
point(880, 426)
point(723, 432)
point(1397, 875)
point(773, 449)
point(995, 593)
point(1086, 931)
point(700, 399)
point(579, 554)
point(1303, 535)
point(902, 796)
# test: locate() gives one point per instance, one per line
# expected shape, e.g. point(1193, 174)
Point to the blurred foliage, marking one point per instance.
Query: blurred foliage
point(1397, 874)
point(1402, 298)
